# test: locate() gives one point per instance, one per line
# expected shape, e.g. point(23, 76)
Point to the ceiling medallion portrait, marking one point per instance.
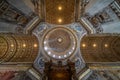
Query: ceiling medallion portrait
point(59, 43)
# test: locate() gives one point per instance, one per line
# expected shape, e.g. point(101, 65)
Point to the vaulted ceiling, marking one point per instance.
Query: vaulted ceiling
point(60, 11)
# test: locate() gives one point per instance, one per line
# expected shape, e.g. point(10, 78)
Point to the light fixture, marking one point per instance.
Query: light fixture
point(49, 52)
point(94, 45)
point(69, 52)
point(59, 40)
point(73, 48)
point(24, 45)
point(59, 20)
point(44, 42)
point(65, 55)
point(45, 48)
point(106, 45)
point(83, 45)
point(12, 45)
point(60, 8)
point(35, 45)
point(53, 55)
point(59, 56)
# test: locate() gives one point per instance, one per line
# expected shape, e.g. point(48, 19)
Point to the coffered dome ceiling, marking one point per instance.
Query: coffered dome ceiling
point(59, 42)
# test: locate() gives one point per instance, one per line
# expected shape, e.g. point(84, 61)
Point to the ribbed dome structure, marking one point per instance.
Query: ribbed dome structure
point(59, 42)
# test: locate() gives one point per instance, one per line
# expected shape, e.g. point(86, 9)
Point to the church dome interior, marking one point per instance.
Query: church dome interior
point(59, 39)
point(59, 43)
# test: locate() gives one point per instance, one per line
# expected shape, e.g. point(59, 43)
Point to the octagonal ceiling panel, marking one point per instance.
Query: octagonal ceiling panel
point(60, 11)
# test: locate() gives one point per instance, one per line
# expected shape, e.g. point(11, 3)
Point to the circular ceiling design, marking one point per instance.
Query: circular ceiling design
point(59, 43)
